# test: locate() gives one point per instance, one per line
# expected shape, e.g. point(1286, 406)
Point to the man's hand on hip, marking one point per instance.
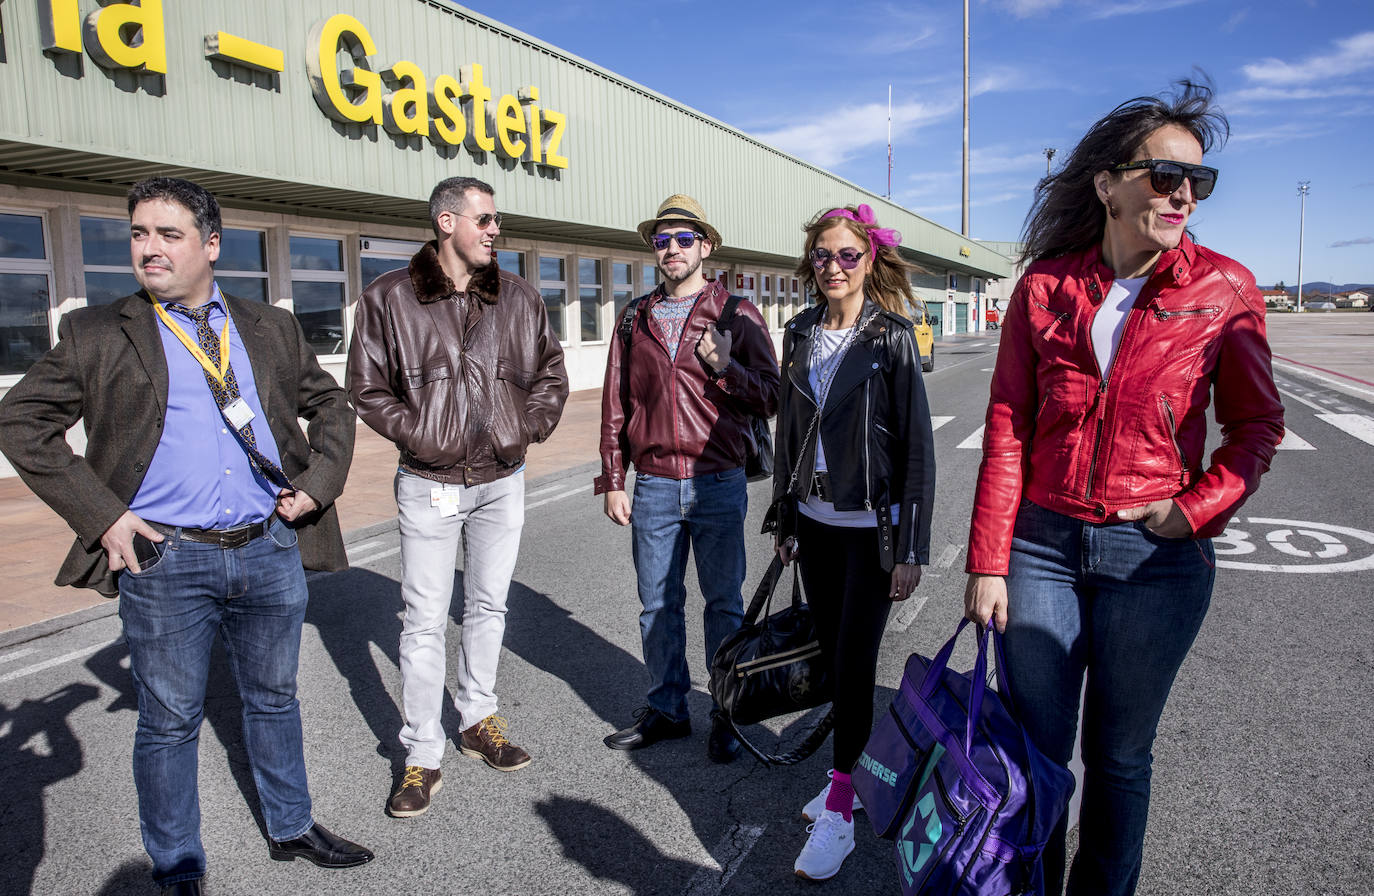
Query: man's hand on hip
point(293, 505)
point(618, 507)
point(118, 541)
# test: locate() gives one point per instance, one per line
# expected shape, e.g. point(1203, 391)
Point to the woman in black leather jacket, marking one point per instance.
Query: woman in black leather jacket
point(853, 484)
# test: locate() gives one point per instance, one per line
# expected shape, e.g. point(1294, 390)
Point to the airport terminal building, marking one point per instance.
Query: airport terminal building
point(322, 125)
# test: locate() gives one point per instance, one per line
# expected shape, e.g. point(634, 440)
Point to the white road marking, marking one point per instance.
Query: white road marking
point(557, 496)
point(1238, 542)
point(55, 661)
point(378, 555)
point(728, 855)
point(1311, 404)
point(937, 422)
point(369, 545)
point(1312, 374)
point(16, 654)
point(946, 368)
point(911, 607)
point(1357, 425)
point(1294, 442)
point(975, 440)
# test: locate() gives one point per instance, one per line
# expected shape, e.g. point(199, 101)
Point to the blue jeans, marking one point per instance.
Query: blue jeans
point(254, 597)
point(1121, 605)
point(706, 514)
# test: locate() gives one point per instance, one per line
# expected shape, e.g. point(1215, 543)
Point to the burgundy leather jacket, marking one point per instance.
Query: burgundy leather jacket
point(461, 382)
point(1063, 436)
point(675, 418)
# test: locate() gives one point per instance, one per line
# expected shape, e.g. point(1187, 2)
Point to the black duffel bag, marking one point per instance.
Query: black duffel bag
point(772, 666)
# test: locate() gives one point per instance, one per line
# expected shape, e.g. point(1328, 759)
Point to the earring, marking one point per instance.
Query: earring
point(1111, 209)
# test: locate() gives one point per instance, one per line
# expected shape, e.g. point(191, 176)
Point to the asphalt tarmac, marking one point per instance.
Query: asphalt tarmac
point(1263, 764)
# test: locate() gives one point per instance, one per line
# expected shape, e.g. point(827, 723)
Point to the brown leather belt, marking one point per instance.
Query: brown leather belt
point(225, 538)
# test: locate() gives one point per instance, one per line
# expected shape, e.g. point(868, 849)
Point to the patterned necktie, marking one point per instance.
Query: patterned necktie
point(226, 394)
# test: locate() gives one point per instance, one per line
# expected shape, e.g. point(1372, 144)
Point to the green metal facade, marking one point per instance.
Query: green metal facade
point(261, 140)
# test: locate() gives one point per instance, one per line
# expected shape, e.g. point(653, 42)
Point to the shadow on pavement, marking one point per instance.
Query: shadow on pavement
point(37, 748)
point(585, 829)
point(133, 877)
point(371, 620)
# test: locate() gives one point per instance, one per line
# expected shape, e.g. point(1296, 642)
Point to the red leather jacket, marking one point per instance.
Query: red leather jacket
point(1062, 436)
point(674, 418)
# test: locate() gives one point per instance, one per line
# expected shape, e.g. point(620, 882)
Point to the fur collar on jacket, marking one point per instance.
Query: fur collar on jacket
point(432, 284)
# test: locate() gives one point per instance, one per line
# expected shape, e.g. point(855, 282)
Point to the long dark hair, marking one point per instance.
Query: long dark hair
point(1066, 215)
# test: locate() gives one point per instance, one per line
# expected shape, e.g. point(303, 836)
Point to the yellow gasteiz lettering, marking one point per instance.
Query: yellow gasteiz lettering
point(450, 127)
point(510, 119)
point(332, 87)
point(479, 95)
point(107, 28)
point(554, 125)
point(232, 48)
point(449, 111)
point(59, 25)
point(407, 107)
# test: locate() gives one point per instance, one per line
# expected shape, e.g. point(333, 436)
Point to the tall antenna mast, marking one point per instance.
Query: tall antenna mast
point(889, 141)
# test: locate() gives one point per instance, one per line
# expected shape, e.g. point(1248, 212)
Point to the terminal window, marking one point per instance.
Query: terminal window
point(25, 292)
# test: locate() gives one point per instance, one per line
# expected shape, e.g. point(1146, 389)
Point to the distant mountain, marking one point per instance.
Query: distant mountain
point(1324, 287)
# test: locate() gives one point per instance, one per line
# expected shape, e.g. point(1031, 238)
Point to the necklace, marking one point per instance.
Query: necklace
point(826, 368)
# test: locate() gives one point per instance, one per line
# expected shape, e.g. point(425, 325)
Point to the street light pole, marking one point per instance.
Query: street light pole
point(965, 202)
point(1303, 186)
point(1049, 156)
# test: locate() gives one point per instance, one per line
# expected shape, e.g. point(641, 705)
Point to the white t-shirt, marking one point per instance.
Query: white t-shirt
point(814, 507)
point(1111, 320)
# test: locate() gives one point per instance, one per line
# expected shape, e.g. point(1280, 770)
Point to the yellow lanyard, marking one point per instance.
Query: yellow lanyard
point(194, 347)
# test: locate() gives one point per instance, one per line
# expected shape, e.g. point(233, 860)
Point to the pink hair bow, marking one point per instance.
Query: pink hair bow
point(877, 236)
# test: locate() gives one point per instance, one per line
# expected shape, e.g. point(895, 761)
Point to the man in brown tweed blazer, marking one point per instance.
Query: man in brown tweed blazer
point(198, 500)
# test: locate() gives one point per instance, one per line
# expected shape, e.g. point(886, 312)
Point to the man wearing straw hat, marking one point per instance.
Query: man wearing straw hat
point(678, 395)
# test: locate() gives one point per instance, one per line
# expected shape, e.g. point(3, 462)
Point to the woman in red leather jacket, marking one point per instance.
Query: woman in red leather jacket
point(1090, 539)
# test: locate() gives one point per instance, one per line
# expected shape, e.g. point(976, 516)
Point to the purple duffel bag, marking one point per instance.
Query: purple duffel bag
point(953, 778)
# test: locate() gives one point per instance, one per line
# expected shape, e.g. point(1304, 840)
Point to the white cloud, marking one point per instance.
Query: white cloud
point(1025, 9)
point(1280, 133)
point(834, 136)
point(903, 28)
point(1350, 56)
point(976, 202)
point(994, 160)
point(1358, 241)
point(1234, 21)
point(1278, 94)
point(1132, 7)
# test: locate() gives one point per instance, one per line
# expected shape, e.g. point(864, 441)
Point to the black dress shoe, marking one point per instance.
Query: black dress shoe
point(190, 887)
point(721, 745)
point(321, 847)
point(650, 727)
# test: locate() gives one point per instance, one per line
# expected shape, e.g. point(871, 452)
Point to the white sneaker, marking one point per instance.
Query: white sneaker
point(831, 840)
point(812, 810)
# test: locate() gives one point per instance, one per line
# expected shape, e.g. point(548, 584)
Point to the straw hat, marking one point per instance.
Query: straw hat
point(680, 209)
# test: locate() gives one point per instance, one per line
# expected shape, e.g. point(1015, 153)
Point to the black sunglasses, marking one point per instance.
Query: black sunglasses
point(483, 220)
point(1167, 176)
point(847, 259)
point(685, 240)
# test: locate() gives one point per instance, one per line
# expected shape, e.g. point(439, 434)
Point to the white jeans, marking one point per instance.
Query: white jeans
point(488, 523)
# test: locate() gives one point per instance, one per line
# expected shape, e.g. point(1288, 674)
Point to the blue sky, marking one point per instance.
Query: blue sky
point(1295, 77)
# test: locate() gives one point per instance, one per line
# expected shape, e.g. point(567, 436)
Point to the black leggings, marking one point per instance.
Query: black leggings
point(848, 592)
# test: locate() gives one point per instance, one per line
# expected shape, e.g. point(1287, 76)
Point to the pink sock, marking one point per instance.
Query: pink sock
point(841, 796)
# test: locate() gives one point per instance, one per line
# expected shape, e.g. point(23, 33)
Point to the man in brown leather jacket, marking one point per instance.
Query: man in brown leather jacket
point(454, 360)
point(677, 400)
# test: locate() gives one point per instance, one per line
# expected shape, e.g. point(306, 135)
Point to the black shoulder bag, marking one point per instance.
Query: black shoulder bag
point(773, 666)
